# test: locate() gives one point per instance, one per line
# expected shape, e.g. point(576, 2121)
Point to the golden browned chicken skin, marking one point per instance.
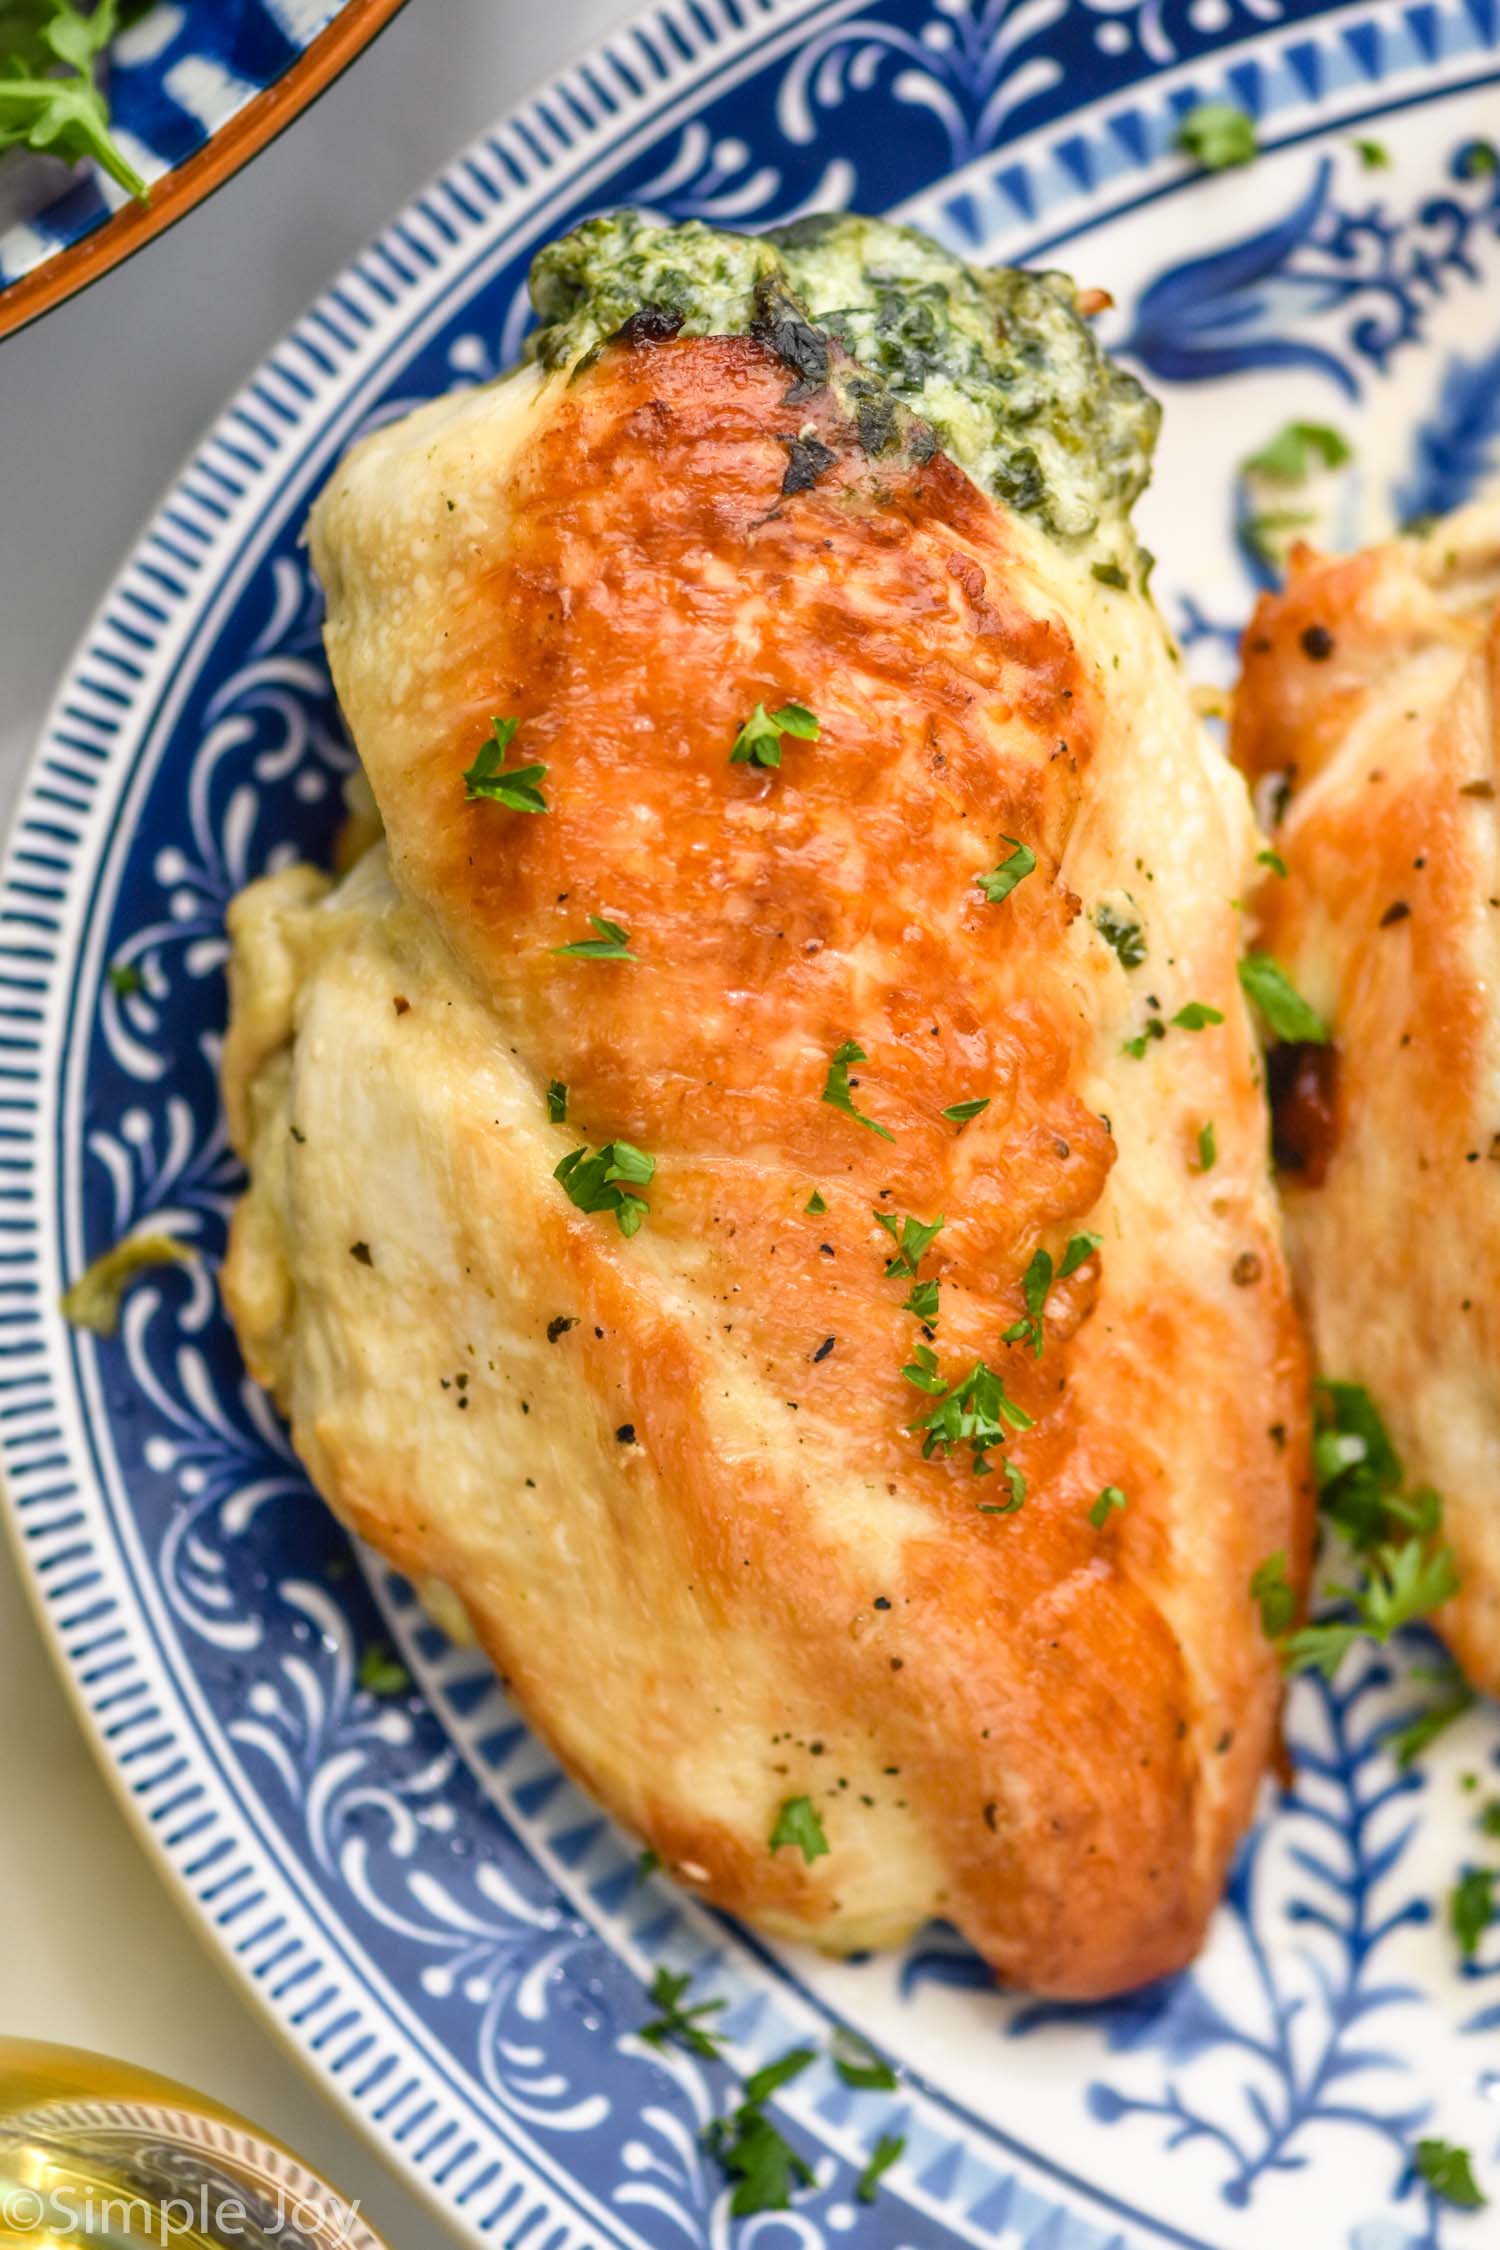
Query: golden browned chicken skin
point(1367, 708)
point(682, 1505)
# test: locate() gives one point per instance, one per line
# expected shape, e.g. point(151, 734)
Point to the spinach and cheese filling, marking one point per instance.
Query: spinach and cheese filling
point(996, 362)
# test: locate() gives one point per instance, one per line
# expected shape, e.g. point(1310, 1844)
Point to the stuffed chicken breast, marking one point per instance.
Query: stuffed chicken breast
point(1367, 709)
point(758, 1184)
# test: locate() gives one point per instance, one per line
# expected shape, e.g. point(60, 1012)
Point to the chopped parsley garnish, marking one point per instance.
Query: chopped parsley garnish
point(1123, 934)
point(1479, 160)
point(836, 1087)
point(1208, 1147)
point(1373, 155)
point(886, 2152)
point(758, 742)
point(1289, 1016)
point(797, 1824)
point(647, 1864)
point(1489, 1818)
point(1271, 859)
point(381, 1671)
point(1196, 1016)
point(912, 1237)
point(1449, 2172)
point(1471, 1908)
point(975, 1412)
point(93, 1302)
point(1401, 1584)
point(557, 1102)
point(487, 778)
point(1359, 1470)
point(612, 943)
point(123, 977)
point(859, 2066)
point(674, 2021)
point(1110, 1500)
point(923, 1301)
point(1036, 1284)
point(959, 1113)
point(1273, 1590)
point(1153, 1028)
point(1297, 447)
point(815, 1204)
point(761, 2162)
point(1017, 1483)
point(603, 1180)
point(1110, 574)
point(1218, 135)
point(1013, 869)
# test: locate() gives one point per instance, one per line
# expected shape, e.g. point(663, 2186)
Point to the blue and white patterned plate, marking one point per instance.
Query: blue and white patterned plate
point(456, 1940)
point(181, 76)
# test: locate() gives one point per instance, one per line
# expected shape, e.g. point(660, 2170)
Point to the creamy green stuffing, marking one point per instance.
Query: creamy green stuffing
point(997, 362)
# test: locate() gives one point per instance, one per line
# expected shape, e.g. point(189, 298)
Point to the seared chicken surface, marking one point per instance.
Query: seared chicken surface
point(1367, 707)
point(745, 1510)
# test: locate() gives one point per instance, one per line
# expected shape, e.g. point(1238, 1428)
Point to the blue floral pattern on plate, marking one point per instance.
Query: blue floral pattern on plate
point(457, 1940)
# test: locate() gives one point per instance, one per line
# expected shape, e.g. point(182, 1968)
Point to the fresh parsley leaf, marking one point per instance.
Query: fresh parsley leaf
point(60, 111)
point(1208, 1147)
point(1373, 155)
point(647, 1864)
point(612, 943)
point(1110, 574)
point(1402, 1584)
point(94, 1300)
point(912, 1237)
point(752, 2152)
point(797, 1824)
point(859, 2066)
point(836, 1087)
point(772, 2076)
point(1123, 934)
point(1289, 456)
point(1154, 1028)
point(557, 1102)
point(674, 2021)
point(1013, 869)
point(1109, 1500)
point(975, 1412)
point(886, 2152)
point(1036, 1284)
point(1289, 1016)
point(959, 1113)
point(815, 1204)
point(1357, 1467)
point(488, 777)
point(381, 1671)
point(1471, 1908)
point(1196, 1016)
point(1218, 135)
point(123, 977)
point(1276, 1595)
point(1479, 160)
point(1407, 1743)
point(603, 1180)
point(922, 1300)
point(922, 1371)
point(1449, 2172)
point(1017, 1484)
point(758, 742)
point(1271, 859)
point(1489, 1818)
